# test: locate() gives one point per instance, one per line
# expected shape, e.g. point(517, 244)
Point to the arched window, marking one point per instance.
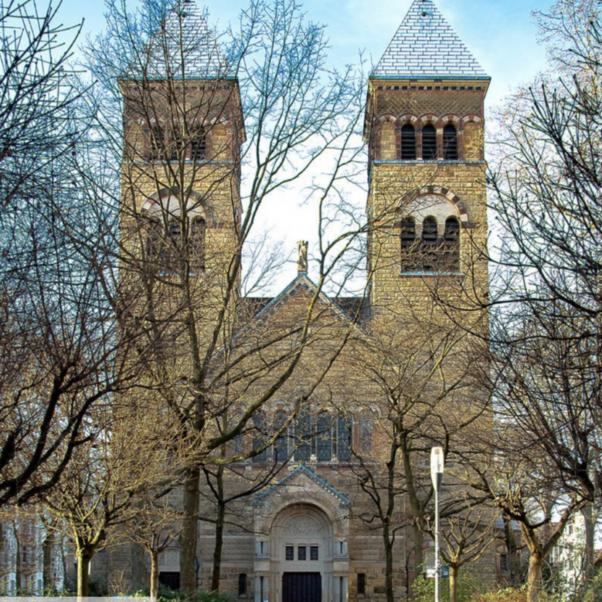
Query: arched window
point(197, 237)
point(324, 437)
point(408, 232)
point(281, 444)
point(344, 433)
point(303, 436)
point(259, 437)
point(198, 145)
point(452, 242)
point(452, 230)
point(450, 142)
point(408, 142)
point(157, 143)
point(429, 230)
point(429, 142)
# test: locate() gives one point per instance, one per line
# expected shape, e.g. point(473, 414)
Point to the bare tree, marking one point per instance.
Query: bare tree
point(180, 221)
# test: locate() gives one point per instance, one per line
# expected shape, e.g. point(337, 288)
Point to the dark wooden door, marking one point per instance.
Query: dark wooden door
point(301, 587)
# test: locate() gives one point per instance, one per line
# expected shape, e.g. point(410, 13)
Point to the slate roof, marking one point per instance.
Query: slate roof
point(425, 46)
point(185, 46)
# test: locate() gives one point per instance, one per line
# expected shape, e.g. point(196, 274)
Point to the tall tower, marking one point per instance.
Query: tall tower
point(424, 126)
point(183, 128)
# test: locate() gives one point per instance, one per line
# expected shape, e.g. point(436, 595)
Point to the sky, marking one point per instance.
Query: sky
point(502, 34)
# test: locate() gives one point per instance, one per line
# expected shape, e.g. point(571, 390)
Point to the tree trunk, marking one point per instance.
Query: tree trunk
point(219, 544)
point(513, 557)
point(154, 574)
point(453, 582)
point(589, 552)
point(83, 572)
point(418, 555)
point(388, 565)
point(535, 578)
point(189, 537)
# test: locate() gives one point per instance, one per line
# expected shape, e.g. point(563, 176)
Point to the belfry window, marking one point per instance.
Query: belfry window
point(198, 150)
point(450, 143)
point(156, 143)
point(429, 230)
point(451, 238)
point(429, 143)
point(408, 232)
point(408, 142)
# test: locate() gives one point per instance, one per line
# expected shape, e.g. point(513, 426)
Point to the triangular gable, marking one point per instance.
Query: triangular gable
point(303, 469)
point(426, 46)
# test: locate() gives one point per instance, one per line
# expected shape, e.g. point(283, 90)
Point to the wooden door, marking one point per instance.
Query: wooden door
point(301, 587)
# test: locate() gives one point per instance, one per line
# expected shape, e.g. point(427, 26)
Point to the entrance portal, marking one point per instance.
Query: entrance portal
point(301, 587)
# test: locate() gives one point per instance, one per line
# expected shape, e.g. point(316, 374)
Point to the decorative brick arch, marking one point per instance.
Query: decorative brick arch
point(403, 119)
point(387, 118)
point(471, 119)
point(450, 119)
point(452, 197)
point(429, 118)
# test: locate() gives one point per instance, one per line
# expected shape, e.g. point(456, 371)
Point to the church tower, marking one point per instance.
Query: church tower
point(180, 189)
point(427, 198)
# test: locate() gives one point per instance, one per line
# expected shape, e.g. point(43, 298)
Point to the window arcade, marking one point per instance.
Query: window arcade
point(408, 142)
point(450, 143)
point(429, 142)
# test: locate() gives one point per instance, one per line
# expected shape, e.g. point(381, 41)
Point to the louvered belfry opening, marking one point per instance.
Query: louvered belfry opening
point(450, 142)
point(408, 142)
point(429, 143)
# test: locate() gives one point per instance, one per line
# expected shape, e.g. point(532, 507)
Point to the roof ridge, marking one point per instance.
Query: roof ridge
point(426, 45)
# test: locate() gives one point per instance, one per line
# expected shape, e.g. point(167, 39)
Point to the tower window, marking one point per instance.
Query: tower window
point(429, 230)
point(452, 230)
point(199, 145)
point(408, 142)
point(450, 143)
point(157, 143)
point(452, 243)
point(408, 232)
point(197, 236)
point(429, 143)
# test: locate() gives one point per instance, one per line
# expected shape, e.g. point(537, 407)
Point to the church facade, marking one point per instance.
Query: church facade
point(312, 532)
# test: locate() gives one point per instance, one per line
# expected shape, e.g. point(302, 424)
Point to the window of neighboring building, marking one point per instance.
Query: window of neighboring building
point(242, 584)
point(450, 142)
point(289, 553)
point(301, 553)
point(156, 143)
point(429, 143)
point(408, 142)
point(314, 553)
point(361, 583)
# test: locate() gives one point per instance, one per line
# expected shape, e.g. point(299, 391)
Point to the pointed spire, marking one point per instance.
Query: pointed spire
point(425, 46)
point(185, 46)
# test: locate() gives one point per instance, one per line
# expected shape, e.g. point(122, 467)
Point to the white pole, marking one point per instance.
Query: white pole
point(437, 567)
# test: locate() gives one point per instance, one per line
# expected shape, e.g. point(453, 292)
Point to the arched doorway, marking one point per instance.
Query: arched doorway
point(301, 543)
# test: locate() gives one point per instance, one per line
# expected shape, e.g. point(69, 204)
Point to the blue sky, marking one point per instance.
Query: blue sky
point(501, 33)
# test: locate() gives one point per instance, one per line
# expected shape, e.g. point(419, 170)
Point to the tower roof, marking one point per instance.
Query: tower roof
point(426, 46)
point(185, 46)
